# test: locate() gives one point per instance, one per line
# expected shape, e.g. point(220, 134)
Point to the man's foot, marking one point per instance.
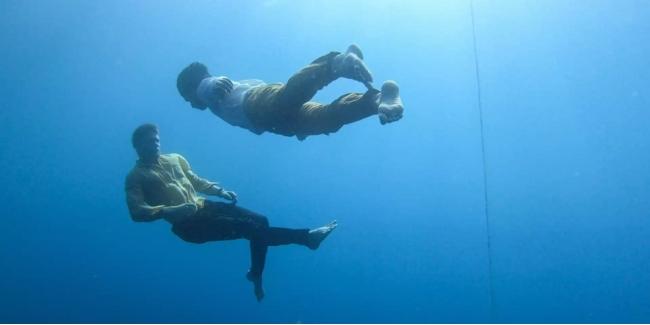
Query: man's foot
point(316, 236)
point(390, 104)
point(257, 285)
point(350, 65)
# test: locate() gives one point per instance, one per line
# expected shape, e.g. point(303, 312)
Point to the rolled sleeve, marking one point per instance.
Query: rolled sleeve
point(199, 184)
point(138, 208)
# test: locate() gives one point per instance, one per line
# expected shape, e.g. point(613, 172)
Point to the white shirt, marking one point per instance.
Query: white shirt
point(230, 108)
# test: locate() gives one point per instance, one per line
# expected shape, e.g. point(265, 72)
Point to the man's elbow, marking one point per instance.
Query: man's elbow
point(138, 218)
point(143, 217)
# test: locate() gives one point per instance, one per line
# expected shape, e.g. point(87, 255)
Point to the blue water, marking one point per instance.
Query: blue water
point(566, 110)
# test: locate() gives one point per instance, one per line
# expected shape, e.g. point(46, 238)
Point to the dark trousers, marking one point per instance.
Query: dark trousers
point(221, 221)
point(286, 108)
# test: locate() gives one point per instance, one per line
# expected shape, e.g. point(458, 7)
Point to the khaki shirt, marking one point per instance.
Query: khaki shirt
point(167, 182)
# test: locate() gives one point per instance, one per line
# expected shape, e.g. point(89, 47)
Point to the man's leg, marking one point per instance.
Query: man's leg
point(220, 221)
point(315, 118)
point(304, 84)
point(275, 107)
point(232, 221)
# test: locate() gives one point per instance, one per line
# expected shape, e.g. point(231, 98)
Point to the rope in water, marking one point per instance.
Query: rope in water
point(485, 183)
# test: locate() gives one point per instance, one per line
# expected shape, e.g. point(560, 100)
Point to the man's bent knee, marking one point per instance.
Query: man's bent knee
point(189, 236)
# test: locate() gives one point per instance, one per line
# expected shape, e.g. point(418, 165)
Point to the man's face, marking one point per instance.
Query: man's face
point(149, 145)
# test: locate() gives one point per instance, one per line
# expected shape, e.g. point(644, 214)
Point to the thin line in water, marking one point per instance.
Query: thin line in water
point(485, 180)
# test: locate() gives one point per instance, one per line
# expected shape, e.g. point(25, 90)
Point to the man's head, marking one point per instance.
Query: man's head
point(188, 81)
point(146, 142)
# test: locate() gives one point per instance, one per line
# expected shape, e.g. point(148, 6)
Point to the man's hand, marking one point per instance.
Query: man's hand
point(222, 87)
point(229, 195)
point(179, 212)
point(222, 193)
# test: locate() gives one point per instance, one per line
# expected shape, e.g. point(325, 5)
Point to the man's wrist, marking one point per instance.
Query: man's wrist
point(217, 190)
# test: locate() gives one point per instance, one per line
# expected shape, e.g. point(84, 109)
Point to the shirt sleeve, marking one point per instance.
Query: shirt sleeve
point(199, 184)
point(138, 208)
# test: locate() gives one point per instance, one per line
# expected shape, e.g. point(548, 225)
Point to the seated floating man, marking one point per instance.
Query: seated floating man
point(286, 109)
point(163, 186)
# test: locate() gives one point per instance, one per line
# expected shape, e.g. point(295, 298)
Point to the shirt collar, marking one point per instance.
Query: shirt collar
point(141, 163)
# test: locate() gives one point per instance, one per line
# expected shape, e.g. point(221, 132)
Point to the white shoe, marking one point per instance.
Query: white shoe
point(350, 65)
point(316, 236)
point(390, 104)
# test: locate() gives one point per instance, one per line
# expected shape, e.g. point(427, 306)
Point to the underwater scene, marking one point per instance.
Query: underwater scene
point(325, 161)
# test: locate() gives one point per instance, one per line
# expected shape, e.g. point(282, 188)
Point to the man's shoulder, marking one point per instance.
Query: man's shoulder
point(133, 176)
point(172, 157)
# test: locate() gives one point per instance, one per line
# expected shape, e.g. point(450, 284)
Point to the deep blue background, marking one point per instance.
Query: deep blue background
point(566, 112)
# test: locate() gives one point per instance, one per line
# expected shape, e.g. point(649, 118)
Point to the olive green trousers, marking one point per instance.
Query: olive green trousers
point(286, 109)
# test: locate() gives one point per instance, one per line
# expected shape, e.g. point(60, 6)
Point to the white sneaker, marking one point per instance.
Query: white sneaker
point(390, 104)
point(350, 65)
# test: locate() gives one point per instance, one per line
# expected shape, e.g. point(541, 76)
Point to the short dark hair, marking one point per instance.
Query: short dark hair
point(141, 131)
point(189, 79)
